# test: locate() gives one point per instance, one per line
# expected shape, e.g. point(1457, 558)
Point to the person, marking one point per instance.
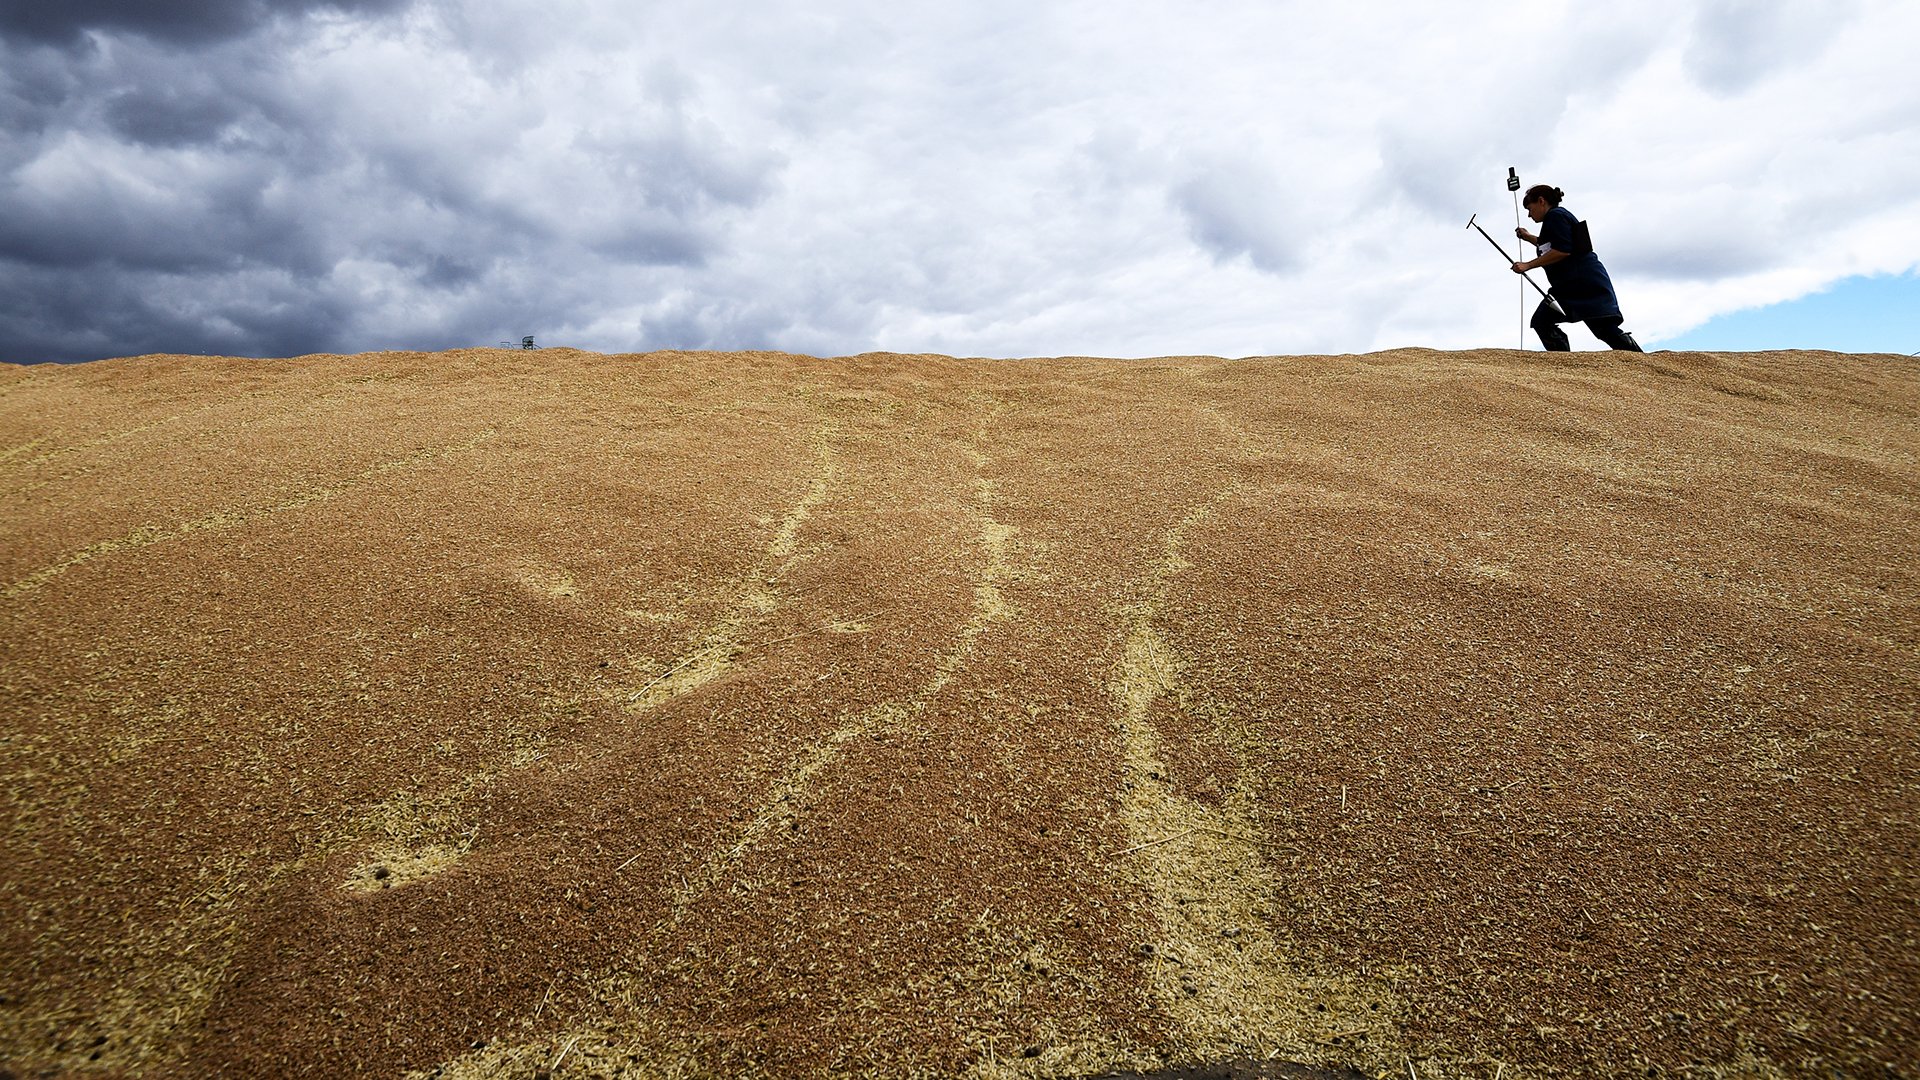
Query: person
point(1574, 276)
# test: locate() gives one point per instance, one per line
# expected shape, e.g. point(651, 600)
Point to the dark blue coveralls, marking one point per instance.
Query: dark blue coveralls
point(1583, 288)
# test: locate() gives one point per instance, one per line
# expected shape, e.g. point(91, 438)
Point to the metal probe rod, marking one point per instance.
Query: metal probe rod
point(1548, 297)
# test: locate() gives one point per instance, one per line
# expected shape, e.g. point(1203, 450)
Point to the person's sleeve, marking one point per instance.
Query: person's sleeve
point(1557, 230)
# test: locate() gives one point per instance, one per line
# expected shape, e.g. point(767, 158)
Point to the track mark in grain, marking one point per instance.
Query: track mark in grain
point(147, 985)
point(674, 1052)
point(149, 535)
point(203, 437)
point(415, 834)
point(65, 475)
point(155, 980)
point(413, 837)
point(12, 451)
point(549, 581)
point(638, 1049)
point(89, 444)
point(794, 789)
point(1217, 968)
point(754, 599)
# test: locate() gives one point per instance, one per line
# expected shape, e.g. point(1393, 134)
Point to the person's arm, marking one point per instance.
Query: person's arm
point(1527, 236)
point(1552, 256)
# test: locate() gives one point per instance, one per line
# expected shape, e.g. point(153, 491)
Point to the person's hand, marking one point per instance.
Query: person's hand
point(1520, 268)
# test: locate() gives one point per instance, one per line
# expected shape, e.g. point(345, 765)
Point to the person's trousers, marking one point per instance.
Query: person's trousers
point(1546, 320)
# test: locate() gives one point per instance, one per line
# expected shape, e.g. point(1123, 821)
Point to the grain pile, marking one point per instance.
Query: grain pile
point(510, 714)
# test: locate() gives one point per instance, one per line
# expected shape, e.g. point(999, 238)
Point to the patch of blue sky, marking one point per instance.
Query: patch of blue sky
point(1868, 314)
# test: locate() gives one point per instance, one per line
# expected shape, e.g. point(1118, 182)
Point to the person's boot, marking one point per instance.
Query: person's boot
point(1552, 338)
point(1610, 334)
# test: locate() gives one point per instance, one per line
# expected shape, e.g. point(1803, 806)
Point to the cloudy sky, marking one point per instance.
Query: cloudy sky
point(992, 177)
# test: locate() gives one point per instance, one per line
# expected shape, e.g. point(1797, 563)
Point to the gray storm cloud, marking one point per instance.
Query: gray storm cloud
point(197, 190)
point(187, 22)
point(272, 178)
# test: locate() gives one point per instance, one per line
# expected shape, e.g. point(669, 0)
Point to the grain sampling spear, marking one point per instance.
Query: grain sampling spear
point(1544, 294)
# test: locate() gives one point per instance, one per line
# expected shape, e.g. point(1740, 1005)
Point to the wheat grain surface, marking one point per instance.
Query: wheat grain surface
point(500, 713)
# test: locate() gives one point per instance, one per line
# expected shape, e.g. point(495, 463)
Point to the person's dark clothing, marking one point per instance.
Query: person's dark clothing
point(1583, 288)
point(1546, 320)
point(1578, 281)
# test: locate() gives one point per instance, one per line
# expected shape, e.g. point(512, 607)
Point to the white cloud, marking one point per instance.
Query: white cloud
point(987, 179)
point(1737, 43)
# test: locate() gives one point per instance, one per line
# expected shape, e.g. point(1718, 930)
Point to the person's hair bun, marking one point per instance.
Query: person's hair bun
point(1553, 195)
